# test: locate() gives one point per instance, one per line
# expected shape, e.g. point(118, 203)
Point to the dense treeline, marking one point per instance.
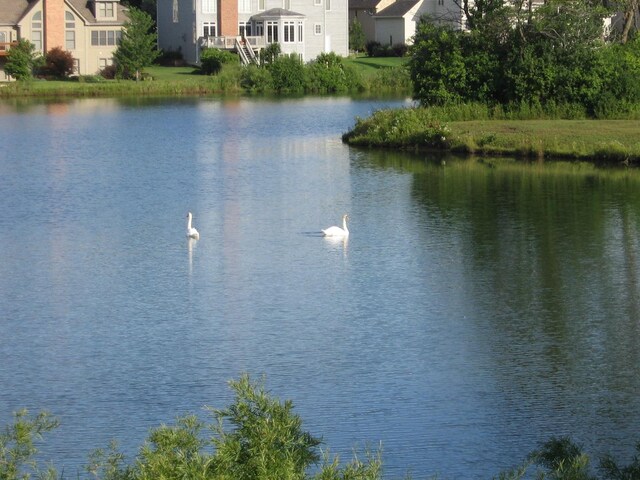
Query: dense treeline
point(560, 53)
point(258, 437)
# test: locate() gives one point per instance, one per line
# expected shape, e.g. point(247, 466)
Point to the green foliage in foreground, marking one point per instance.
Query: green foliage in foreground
point(327, 74)
point(481, 130)
point(259, 437)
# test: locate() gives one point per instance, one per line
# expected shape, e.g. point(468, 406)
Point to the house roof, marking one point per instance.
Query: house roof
point(363, 4)
point(399, 8)
point(11, 11)
point(84, 9)
point(275, 13)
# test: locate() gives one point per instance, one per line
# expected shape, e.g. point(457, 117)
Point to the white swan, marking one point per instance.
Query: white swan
point(191, 231)
point(337, 231)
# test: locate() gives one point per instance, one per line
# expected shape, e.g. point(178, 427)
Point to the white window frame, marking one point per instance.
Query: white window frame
point(317, 29)
point(244, 6)
point(289, 31)
point(300, 29)
point(208, 28)
point(209, 6)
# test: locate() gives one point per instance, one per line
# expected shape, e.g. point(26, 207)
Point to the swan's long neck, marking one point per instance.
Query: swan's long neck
point(344, 224)
point(189, 222)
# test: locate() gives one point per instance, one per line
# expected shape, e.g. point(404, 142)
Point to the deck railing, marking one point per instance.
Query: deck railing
point(229, 43)
point(5, 47)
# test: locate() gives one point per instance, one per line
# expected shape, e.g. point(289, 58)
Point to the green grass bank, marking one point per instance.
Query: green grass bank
point(373, 76)
point(614, 141)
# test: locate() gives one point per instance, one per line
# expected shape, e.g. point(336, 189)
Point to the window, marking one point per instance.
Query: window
point(36, 30)
point(286, 4)
point(300, 32)
point(317, 2)
point(209, 29)
point(76, 65)
point(289, 32)
point(259, 29)
point(272, 32)
point(70, 33)
point(260, 4)
point(244, 29)
point(209, 6)
point(105, 37)
point(244, 6)
point(440, 2)
point(70, 20)
point(327, 4)
point(103, 63)
point(70, 40)
point(317, 28)
point(105, 10)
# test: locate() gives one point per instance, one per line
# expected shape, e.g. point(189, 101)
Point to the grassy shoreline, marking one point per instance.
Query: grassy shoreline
point(418, 129)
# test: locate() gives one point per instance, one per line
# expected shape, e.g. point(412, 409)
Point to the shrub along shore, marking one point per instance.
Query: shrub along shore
point(259, 437)
point(480, 130)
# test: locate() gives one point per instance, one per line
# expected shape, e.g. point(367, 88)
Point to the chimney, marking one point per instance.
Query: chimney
point(228, 18)
point(53, 24)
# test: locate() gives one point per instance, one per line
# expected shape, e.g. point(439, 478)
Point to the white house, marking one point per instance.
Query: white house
point(303, 27)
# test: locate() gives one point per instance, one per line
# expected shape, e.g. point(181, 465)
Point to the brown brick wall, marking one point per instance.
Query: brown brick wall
point(53, 24)
point(228, 15)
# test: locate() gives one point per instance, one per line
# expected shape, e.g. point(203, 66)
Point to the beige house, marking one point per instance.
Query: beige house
point(363, 11)
point(88, 29)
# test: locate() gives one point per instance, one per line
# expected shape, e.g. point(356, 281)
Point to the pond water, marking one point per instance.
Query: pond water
point(477, 309)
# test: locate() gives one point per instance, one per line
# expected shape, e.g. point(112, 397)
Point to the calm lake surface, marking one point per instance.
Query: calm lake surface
point(477, 309)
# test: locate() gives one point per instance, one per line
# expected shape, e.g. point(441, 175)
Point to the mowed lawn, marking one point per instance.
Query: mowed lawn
point(560, 137)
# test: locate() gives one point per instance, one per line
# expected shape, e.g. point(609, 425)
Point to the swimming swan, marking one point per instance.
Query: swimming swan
point(191, 232)
point(337, 231)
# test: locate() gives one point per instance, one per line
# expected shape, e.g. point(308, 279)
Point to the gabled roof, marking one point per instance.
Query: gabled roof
point(398, 9)
point(363, 4)
point(275, 13)
point(11, 11)
point(84, 9)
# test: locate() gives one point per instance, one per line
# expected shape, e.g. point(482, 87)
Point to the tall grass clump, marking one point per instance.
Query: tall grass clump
point(388, 80)
point(402, 128)
point(328, 74)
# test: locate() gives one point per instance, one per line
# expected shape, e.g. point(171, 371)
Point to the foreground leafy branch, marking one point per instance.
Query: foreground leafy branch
point(258, 437)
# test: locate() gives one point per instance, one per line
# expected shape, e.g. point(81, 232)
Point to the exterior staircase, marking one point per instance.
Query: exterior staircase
point(247, 55)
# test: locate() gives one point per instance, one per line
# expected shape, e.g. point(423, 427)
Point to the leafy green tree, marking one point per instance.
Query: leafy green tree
point(174, 452)
point(21, 60)
point(356, 36)
point(270, 53)
point(138, 46)
point(437, 65)
point(266, 441)
point(212, 60)
point(328, 74)
point(17, 445)
point(287, 74)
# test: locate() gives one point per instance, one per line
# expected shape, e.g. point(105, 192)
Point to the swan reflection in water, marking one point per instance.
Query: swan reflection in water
point(191, 244)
